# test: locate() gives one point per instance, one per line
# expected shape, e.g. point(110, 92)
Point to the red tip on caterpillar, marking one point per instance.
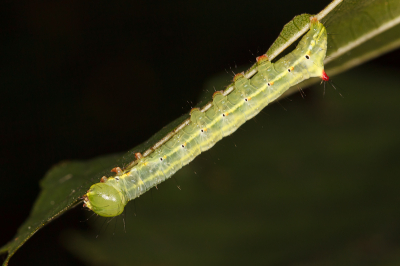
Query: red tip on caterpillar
point(117, 170)
point(103, 179)
point(138, 156)
point(194, 109)
point(262, 58)
point(324, 76)
point(238, 76)
point(217, 93)
point(313, 19)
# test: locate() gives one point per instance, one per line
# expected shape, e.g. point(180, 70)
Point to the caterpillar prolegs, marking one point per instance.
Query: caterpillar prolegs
point(205, 127)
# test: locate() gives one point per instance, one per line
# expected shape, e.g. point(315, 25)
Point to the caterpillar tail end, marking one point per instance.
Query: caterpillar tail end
point(324, 76)
point(104, 200)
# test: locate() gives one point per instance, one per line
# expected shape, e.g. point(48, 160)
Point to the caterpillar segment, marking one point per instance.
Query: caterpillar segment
point(205, 128)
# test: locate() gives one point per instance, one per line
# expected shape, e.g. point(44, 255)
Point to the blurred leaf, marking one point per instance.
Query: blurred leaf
point(365, 29)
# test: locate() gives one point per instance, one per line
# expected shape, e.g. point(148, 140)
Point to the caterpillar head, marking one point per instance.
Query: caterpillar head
point(105, 200)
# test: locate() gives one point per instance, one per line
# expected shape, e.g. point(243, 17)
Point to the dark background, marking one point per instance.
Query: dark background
point(80, 79)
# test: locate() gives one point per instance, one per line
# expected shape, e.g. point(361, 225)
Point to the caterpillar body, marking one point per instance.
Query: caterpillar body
point(227, 113)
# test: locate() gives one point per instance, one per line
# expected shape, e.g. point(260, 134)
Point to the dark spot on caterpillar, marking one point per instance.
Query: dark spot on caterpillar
point(183, 145)
point(202, 130)
point(161, 158)
point(223, 115)
point(307, 56)
point(288, 70)
point(269, 84)
point(245, 100)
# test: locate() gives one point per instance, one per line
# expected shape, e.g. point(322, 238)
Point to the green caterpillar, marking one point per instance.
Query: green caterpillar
point(227, 113)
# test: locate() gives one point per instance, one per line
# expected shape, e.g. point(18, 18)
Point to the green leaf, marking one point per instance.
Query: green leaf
point(65, 184)
point(62, 188)
point(358, 32)
point(363, 30)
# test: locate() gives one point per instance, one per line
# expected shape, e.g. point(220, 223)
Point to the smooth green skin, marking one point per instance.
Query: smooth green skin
point(226, 115)
point(106, 201)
